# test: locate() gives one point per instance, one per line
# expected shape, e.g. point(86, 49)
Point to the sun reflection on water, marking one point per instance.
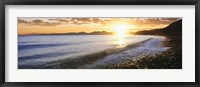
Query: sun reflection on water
point(121, 33)
point(121, 42)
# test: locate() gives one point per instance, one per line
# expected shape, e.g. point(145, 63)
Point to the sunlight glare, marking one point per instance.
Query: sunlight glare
point(120, 30)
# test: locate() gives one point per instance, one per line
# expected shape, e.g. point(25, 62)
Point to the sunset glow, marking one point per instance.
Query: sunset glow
point(121, 30)
point(121, 26)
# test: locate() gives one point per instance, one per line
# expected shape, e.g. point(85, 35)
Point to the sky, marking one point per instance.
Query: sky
point(43, 25)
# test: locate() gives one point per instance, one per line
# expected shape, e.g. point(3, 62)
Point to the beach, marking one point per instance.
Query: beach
point(151, 47)
point(168, 59)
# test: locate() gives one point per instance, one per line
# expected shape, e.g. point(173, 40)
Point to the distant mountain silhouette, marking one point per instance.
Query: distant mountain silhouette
point(92, 33)
point(173, 29)
point(76, 33)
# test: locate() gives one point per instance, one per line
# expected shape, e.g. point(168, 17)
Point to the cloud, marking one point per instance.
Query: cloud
point(152, 21)
point(64, 20)
point(23, 21)
point(84, 19)
point(80, 21)
point(99, 21)
point(38, 22)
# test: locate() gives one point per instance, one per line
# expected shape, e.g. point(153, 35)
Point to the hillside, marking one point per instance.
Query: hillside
point(173, 29)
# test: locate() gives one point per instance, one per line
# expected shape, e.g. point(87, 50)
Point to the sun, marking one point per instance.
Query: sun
point(121, 30)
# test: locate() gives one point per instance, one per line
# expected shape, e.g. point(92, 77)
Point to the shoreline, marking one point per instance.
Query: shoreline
point(75, 62)
point(169, 59)
point(161, 58)
point(152, 47)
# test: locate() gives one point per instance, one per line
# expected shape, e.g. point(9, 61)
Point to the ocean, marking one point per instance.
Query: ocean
point(34, 50)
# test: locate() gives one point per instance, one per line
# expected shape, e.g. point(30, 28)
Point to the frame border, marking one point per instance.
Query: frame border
point(99, 2)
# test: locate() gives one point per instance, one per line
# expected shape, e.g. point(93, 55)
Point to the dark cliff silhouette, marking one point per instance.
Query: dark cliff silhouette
point(174, 28)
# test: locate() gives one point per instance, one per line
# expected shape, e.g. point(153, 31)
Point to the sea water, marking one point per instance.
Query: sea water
point(41, 49)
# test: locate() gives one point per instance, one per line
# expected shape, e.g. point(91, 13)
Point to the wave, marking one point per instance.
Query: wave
point(75, 62)
point(34, 46)
point(46, 55)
